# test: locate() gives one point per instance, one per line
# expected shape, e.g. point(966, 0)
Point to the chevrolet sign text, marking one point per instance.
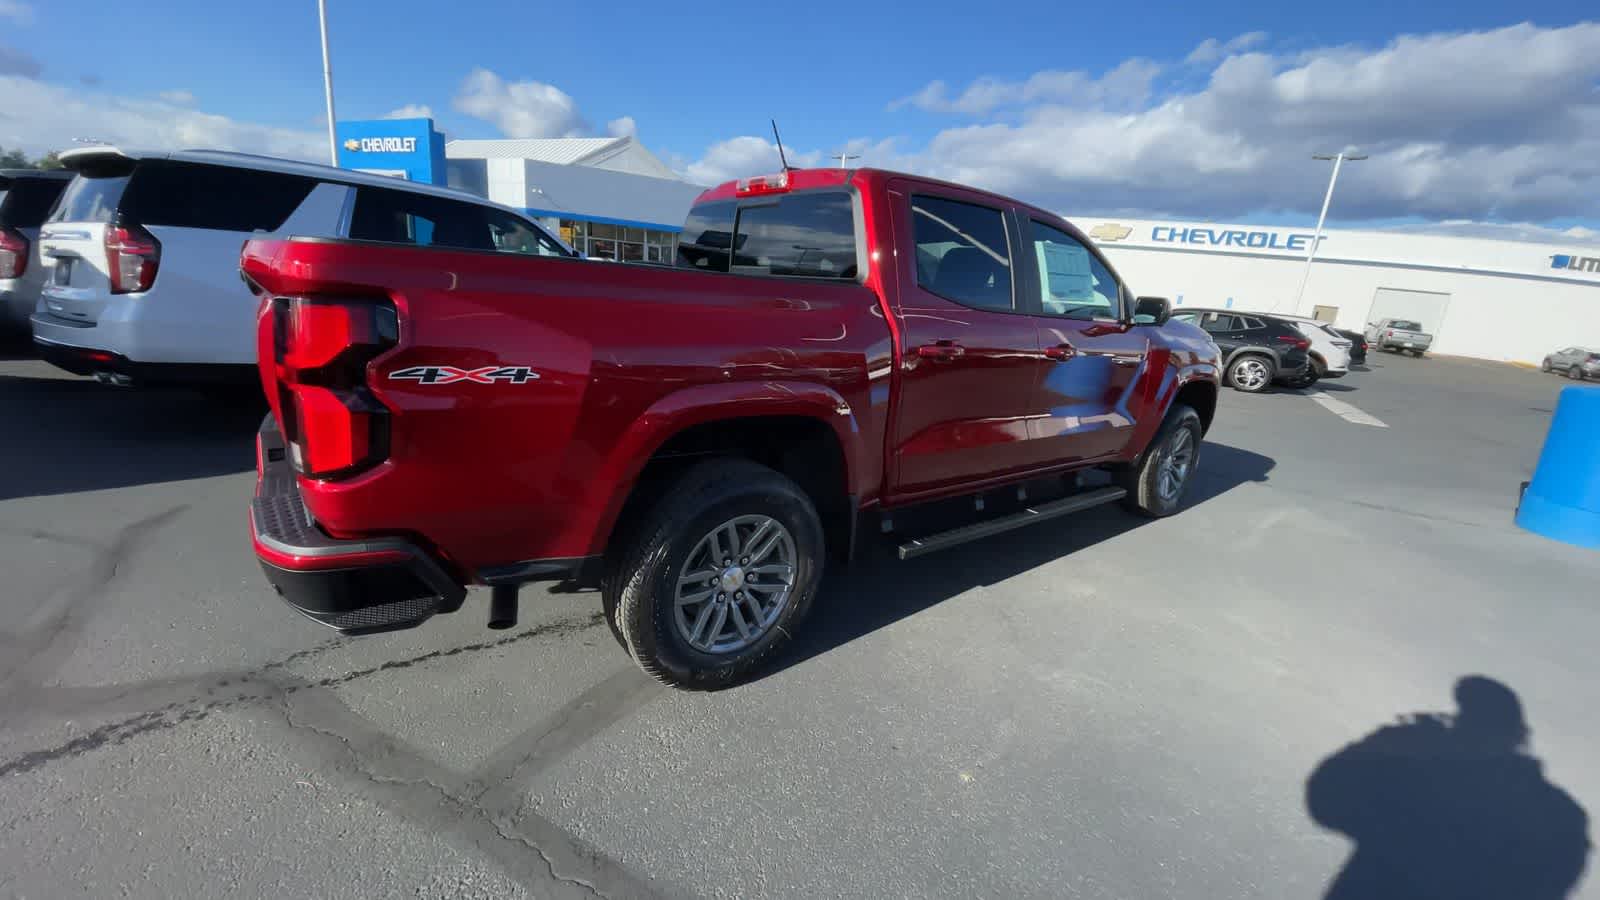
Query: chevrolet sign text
point(1227, 237)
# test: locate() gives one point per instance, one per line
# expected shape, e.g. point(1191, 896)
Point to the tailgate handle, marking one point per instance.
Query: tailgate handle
point(941, 350)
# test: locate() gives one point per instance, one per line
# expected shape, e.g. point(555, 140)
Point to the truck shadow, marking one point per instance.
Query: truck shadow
point(878, 590)
point(68, 434)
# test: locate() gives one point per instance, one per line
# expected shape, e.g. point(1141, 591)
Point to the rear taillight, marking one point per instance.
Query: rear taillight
point(13, 253)
point(1389, 333)
point(333, 423)
point(1299, 343)
point(132, 257)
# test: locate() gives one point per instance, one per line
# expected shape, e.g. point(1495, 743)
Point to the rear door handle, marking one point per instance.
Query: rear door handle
point(941, 350)
point(1060, 351)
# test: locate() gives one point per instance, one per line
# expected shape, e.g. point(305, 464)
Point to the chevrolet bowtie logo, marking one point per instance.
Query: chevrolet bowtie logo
point(352, 144)
point(1110, 232)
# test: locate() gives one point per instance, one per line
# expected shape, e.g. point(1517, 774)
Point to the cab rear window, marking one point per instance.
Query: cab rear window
point(807, 234)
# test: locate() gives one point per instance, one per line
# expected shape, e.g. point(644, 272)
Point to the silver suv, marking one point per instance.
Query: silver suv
point(143, 251)
point(1580, 363)
point(26, 198)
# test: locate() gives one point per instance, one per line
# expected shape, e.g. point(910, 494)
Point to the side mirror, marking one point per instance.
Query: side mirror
point(1151, 311)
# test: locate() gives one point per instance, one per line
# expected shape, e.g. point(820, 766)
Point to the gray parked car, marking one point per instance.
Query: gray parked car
point(1575, 362)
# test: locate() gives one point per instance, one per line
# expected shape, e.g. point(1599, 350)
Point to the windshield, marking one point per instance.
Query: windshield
point(1405, 325)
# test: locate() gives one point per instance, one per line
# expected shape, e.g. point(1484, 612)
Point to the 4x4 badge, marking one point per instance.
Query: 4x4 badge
point(451, 374)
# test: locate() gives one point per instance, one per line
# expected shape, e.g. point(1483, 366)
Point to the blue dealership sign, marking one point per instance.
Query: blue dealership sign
point(393, 146)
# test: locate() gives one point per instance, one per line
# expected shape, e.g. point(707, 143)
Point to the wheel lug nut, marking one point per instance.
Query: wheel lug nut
point(721, 597)
point(744, 560)
point(738, 595)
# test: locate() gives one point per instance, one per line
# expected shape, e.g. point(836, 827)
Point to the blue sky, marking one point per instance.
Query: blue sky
point(692, 81)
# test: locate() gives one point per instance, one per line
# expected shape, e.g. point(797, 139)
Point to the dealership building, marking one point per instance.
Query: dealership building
point(1491, 299)
point(610, 197)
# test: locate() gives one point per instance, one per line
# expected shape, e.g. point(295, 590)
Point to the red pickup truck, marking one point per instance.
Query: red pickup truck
point(695, 439)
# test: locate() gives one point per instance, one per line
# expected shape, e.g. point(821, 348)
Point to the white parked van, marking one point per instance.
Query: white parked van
point(143, 250)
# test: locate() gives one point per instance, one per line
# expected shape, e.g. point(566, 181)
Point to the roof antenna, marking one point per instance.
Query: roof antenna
point(781, 158)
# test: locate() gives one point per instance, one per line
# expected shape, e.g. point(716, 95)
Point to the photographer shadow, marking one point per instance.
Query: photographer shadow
point(1453, 806)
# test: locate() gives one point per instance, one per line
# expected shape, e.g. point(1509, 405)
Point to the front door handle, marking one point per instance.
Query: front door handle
point(1061, 351)
point(941, 350)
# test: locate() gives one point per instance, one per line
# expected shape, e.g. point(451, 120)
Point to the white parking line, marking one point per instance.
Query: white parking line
point(1346, 412)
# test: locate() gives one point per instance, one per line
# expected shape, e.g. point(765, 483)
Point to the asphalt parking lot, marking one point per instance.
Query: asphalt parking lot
point(1094, 707)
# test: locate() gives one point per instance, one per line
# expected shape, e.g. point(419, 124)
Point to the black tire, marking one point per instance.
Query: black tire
point(1142, 480)
point(1575, 373)
point(1251, 384)
point(641, 584)
point(1545, 365)
point(1417, 353)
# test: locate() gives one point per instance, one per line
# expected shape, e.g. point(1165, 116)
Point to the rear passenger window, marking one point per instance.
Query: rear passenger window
point(1248, 323)
point(403, 217)
point(222, 198)
point(809, 235)
point(962, 253)
point(1217, 323)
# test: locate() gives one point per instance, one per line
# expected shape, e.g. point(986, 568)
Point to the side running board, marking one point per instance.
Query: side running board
point(1054, 509)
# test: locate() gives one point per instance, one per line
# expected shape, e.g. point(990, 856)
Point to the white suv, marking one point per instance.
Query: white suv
point(144, 252)
point(1330, 351)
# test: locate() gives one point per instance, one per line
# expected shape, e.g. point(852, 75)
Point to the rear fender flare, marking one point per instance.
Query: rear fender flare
point(615, 479)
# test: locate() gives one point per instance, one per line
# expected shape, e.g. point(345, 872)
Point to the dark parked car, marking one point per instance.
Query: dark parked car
point(1358, 345)
point(1578, 363)
point(1257, 349)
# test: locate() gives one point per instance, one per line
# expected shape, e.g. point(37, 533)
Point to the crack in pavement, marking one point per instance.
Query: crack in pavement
point(191, 708)
point(473, 808)
point(39, 649)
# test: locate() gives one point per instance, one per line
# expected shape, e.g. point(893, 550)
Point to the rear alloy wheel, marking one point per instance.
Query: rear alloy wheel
point(718, 575)
point(1250, 373)
point(1574, 372)
point(1156, 485)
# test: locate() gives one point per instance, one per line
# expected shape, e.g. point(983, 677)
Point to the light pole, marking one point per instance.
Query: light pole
point(843, 155)
point(1339, 159)
point(327, 82)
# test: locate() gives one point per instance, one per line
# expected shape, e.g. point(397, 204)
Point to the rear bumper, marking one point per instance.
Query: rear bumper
point(355, 586)
point(1397, 344)
point(114, 366)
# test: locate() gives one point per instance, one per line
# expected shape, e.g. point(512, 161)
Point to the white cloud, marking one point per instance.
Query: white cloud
point(1211, 49)
point(743, 156)
point(1487, 125)
point(1128, 83)
point(624, 126)
point(1504, 231)
point(410, 111)
point(180, 98)
point(39, 116)
point(17, 62)
point(520, 109)
point(17, 11)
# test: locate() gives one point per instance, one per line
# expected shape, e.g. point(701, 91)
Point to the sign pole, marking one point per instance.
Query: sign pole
point(327, 82)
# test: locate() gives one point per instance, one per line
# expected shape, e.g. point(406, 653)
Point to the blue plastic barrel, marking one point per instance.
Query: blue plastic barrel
point(1563, 500)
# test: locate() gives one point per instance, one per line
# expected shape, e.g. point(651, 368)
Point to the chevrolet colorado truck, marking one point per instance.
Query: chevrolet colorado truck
point(830, 346)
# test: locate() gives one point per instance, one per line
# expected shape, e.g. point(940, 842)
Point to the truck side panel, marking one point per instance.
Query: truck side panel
point(499, 473)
